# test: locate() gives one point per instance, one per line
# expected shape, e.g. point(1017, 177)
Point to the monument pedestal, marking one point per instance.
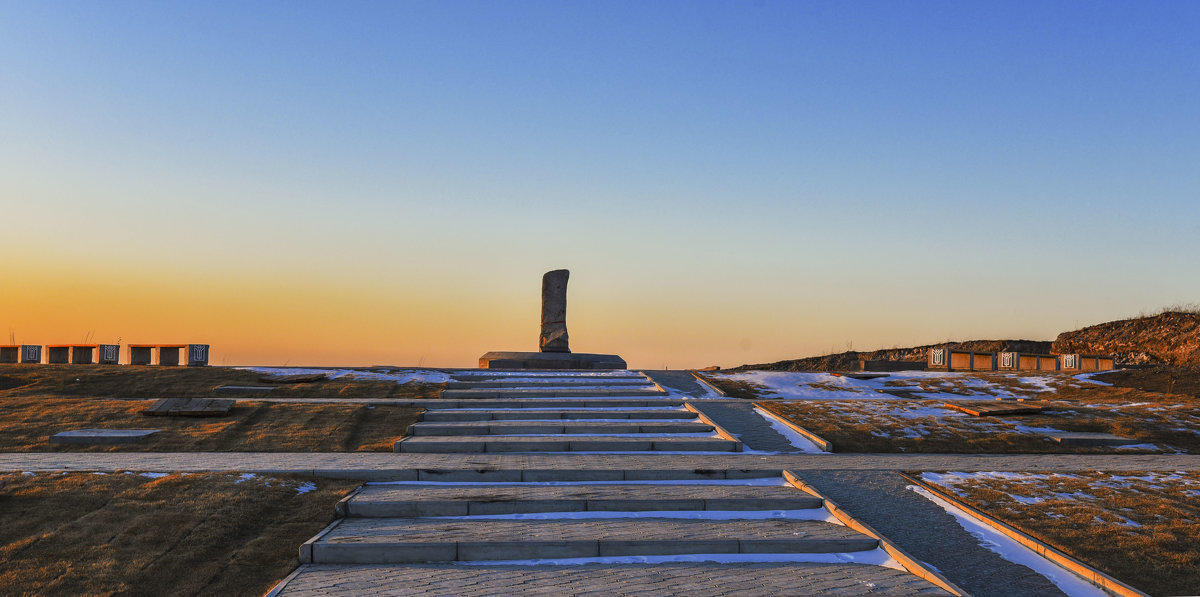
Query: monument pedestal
point(550, 360)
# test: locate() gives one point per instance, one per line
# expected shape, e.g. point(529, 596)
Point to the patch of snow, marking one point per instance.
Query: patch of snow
point(1026, 500)
point(153, 475)
point(1008, 548)
point(1039, 430)
point(245, 477)
point(798, 441)
point(305, 487)
point(1043, 384)
point(1147, 447)
point(875, 557)
point(1088, 378)
point(29, 474)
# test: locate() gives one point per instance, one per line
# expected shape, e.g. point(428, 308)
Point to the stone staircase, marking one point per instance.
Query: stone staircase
point(620, 411)
point(678, 532)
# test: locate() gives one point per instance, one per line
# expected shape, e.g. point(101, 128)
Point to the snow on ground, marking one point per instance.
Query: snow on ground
point(396, 375)
point(1009, 549)
point(939, 385)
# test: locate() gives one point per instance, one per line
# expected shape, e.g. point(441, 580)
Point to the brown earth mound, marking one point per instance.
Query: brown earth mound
point(1171, 337)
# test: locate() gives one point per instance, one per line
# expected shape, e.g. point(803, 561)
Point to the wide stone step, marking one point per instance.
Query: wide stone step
point(542, 427)
point(553, 414)
point(693, 579)
point(551, 403)
point(620, 382)
point(383, 501)
point(548, 375)
point(401, 540)
point(517, 394)
point(579, 443)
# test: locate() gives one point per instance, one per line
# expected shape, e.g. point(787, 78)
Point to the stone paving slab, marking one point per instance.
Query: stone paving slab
point(661, 580)
point(681, 382)
point(402, 540)
point(426, 500)
point(450, 415)
point(481, 444)
point(512, 427)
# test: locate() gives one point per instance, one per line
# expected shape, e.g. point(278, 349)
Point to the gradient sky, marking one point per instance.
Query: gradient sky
point(358, 183)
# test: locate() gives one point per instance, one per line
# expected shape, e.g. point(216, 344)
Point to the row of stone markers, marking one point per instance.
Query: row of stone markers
point(569, 531)
point(105, 354)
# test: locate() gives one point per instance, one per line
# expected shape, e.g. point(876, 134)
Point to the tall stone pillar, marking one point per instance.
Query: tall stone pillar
point(554, 312)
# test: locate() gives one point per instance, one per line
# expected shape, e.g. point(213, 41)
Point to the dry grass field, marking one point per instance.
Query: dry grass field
point(1170, 421)
point(1138, 527)
point(27, 422)
point(132, 534)
point(126, 381)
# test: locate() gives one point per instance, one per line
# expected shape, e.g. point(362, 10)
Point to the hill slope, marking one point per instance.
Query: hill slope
point(1172, 338)
point(848, 361)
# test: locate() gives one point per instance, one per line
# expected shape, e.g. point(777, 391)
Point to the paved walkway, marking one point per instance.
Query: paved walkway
point(739, 418)
point(881, 500)
point(517, 467)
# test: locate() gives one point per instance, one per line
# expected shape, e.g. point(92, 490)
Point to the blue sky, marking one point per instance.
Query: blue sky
point(728, 181)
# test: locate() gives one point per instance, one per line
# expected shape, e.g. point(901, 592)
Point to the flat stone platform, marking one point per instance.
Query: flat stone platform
point(549, 360)
point(699, 579)
point(101, 436)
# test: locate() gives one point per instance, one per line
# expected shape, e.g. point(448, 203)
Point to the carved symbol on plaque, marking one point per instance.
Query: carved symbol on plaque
point(939, 356)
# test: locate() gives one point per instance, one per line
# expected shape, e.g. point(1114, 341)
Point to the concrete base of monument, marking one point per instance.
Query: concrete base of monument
point(550, 360)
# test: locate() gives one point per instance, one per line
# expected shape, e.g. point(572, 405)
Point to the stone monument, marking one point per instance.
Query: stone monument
point(554, 312)
point(555, 351)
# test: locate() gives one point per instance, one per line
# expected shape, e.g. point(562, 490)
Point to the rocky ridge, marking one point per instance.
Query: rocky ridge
point(1169, 338)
